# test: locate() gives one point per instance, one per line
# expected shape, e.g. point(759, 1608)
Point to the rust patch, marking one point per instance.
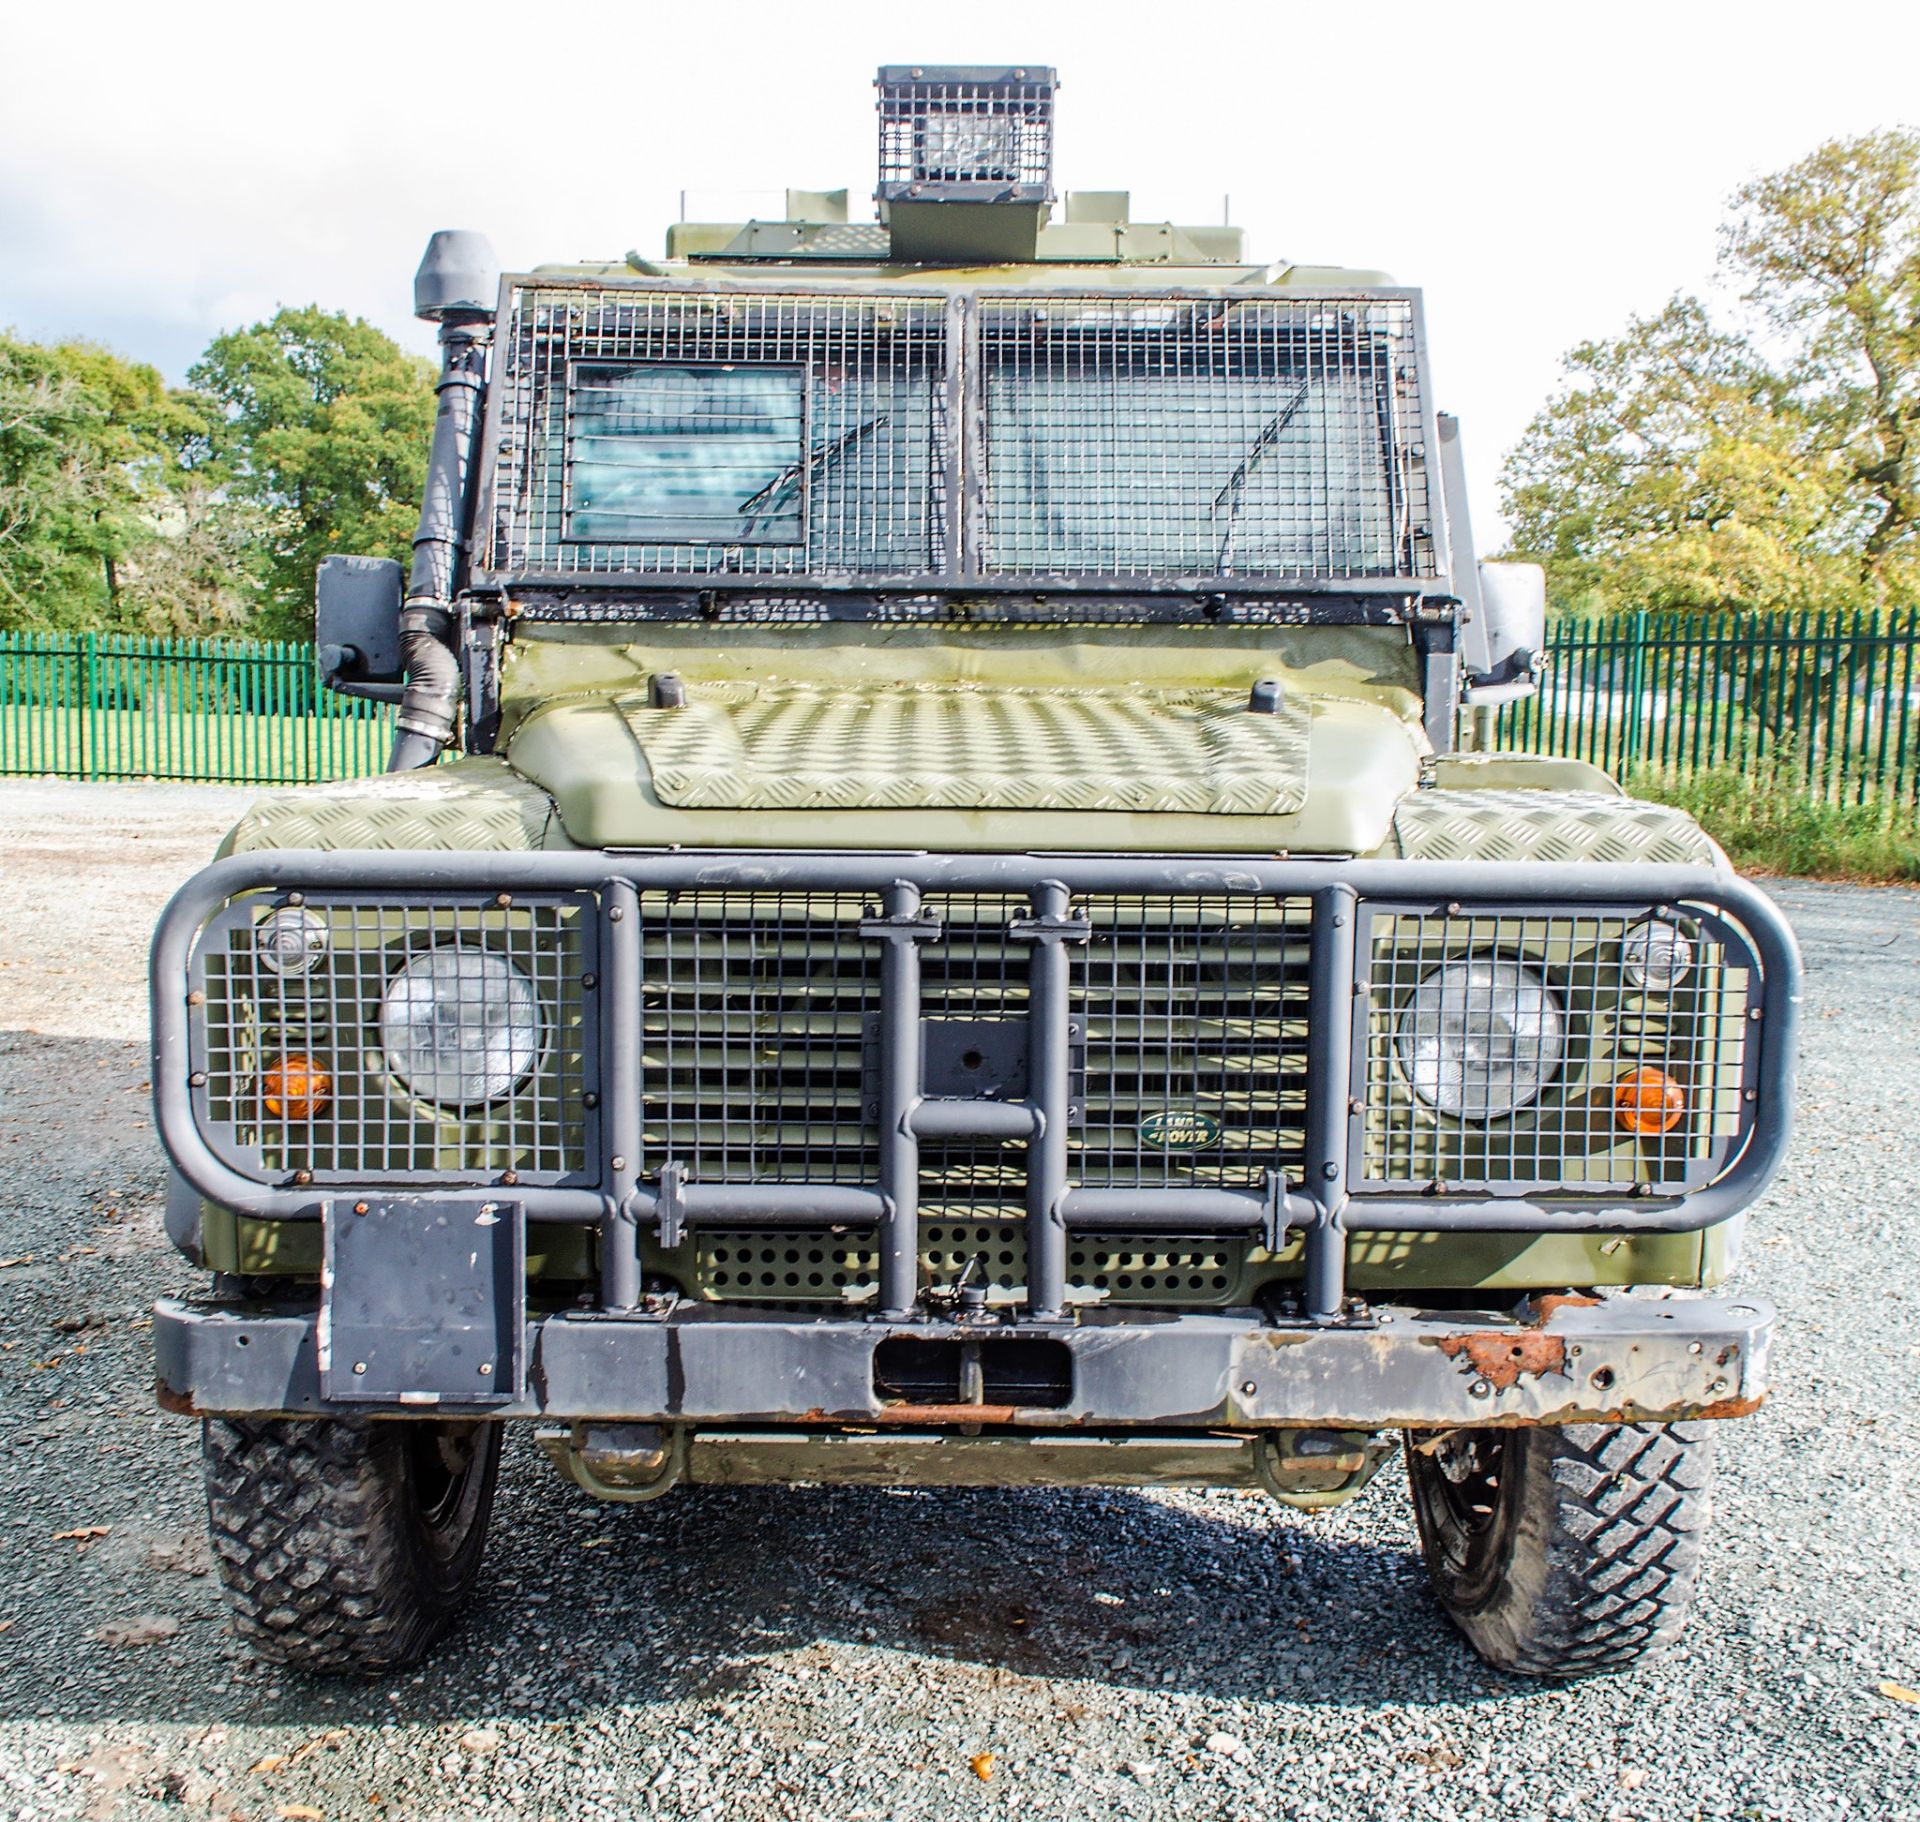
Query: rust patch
point(945, 1413)
point(1501, 1357)
point(1543, 1308)
point(179, 1403)
point(1732, 1407)
point(1620, 1413)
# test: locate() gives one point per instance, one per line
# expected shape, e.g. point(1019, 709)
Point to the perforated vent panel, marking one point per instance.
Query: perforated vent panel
point(814, 1267)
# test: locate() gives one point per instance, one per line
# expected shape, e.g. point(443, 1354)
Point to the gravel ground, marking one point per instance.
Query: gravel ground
point(847, 1654)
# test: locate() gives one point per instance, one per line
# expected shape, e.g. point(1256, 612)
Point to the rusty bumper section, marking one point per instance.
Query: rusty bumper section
point(1564, 1360)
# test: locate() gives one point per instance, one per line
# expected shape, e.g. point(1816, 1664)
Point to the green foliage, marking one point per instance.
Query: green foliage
point(323, 429)
point(1767, 822)
point(93, 463)
point(126, 506)
point(1769, 462)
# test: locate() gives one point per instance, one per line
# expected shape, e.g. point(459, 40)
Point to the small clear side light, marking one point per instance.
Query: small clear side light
point(1656, 957)
point(291, 940)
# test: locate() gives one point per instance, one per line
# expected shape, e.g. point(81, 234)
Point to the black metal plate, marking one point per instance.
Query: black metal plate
point(423, 1304)
point(974, 1059)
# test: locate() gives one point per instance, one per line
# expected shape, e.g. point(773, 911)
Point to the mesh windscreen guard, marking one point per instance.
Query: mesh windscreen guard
point(661, 434)
point(1202, 438)
point(859, 489)
point(1551, 999)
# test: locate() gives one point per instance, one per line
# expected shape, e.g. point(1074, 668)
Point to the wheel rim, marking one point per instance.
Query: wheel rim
point(446, 1459)
point(1469, 1487)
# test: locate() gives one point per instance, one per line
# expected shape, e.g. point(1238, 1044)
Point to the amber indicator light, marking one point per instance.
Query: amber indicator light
point(296, 1088)
point(1649, 1102)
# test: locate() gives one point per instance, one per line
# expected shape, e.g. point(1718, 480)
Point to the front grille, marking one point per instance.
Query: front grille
point(369, 1126)
point(1191, 1011)
point(1569, 1138)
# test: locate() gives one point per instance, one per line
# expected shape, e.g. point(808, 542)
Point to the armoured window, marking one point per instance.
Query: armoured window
point(694, 454)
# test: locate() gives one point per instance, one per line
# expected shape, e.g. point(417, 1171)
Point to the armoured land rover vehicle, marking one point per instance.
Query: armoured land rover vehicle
point(960, 945)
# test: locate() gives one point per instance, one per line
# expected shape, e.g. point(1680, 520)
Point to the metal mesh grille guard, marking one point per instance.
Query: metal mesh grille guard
point(1076, 1049)
point(653, 435)
point(966, 132)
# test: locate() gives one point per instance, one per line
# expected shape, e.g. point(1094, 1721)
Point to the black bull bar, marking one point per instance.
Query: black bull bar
point(1203, 1363)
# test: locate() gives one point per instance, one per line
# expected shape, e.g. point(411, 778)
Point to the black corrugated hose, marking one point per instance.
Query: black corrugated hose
point(428, 709)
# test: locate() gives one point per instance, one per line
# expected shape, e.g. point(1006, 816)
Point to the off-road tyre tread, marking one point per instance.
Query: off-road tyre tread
point(319, 1551)
point(1601, 1550)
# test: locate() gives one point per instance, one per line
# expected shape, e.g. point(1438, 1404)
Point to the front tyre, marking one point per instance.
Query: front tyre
point(1568, 1551)
point(347, 1545)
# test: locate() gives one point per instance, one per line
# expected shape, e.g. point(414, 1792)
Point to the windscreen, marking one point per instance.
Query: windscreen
point(931, 441)
point(702, 455)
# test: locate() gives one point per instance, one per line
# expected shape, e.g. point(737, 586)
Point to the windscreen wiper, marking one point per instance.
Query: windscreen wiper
point(1236, 486)
point(777, 491)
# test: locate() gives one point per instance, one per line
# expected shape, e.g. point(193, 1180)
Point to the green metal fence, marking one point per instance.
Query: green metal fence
point(91, 705)
point(1825, 704)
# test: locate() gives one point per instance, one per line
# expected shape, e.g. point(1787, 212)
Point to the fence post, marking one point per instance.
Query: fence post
point(1630, 735)
point(89, 656)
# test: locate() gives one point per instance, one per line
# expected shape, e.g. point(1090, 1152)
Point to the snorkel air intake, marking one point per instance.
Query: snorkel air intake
point(454, 287)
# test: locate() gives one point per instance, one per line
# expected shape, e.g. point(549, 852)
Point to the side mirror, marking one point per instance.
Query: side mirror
point(1501, 645)
point(356, 626)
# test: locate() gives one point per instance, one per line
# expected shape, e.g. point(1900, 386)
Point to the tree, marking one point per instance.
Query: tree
point(322, 429)
point(1773, 461)
point(111, 505)
point(80, 454)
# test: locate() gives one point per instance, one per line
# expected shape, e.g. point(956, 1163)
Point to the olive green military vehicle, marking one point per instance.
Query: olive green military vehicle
point(942, 916)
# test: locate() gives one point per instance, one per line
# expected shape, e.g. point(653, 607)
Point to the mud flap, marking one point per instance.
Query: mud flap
point(422, 1303)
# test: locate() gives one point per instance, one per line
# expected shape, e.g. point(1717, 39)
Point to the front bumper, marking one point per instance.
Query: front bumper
point(1555, 1360)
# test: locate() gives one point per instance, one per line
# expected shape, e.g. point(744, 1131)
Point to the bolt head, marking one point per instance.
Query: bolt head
point(1248, 1388)
point(360, 1208)
point(619, 1164)
point(486, 1369)
point(359, 1366)
point(1480, 1389)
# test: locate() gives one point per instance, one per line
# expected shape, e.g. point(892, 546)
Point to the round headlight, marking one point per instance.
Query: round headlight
point(460, 1024)
point(291, 940)
point(1656, 957)
point(1481, 1038)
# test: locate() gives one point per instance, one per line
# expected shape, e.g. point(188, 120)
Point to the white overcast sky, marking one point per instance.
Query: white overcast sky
point(1543, 170)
